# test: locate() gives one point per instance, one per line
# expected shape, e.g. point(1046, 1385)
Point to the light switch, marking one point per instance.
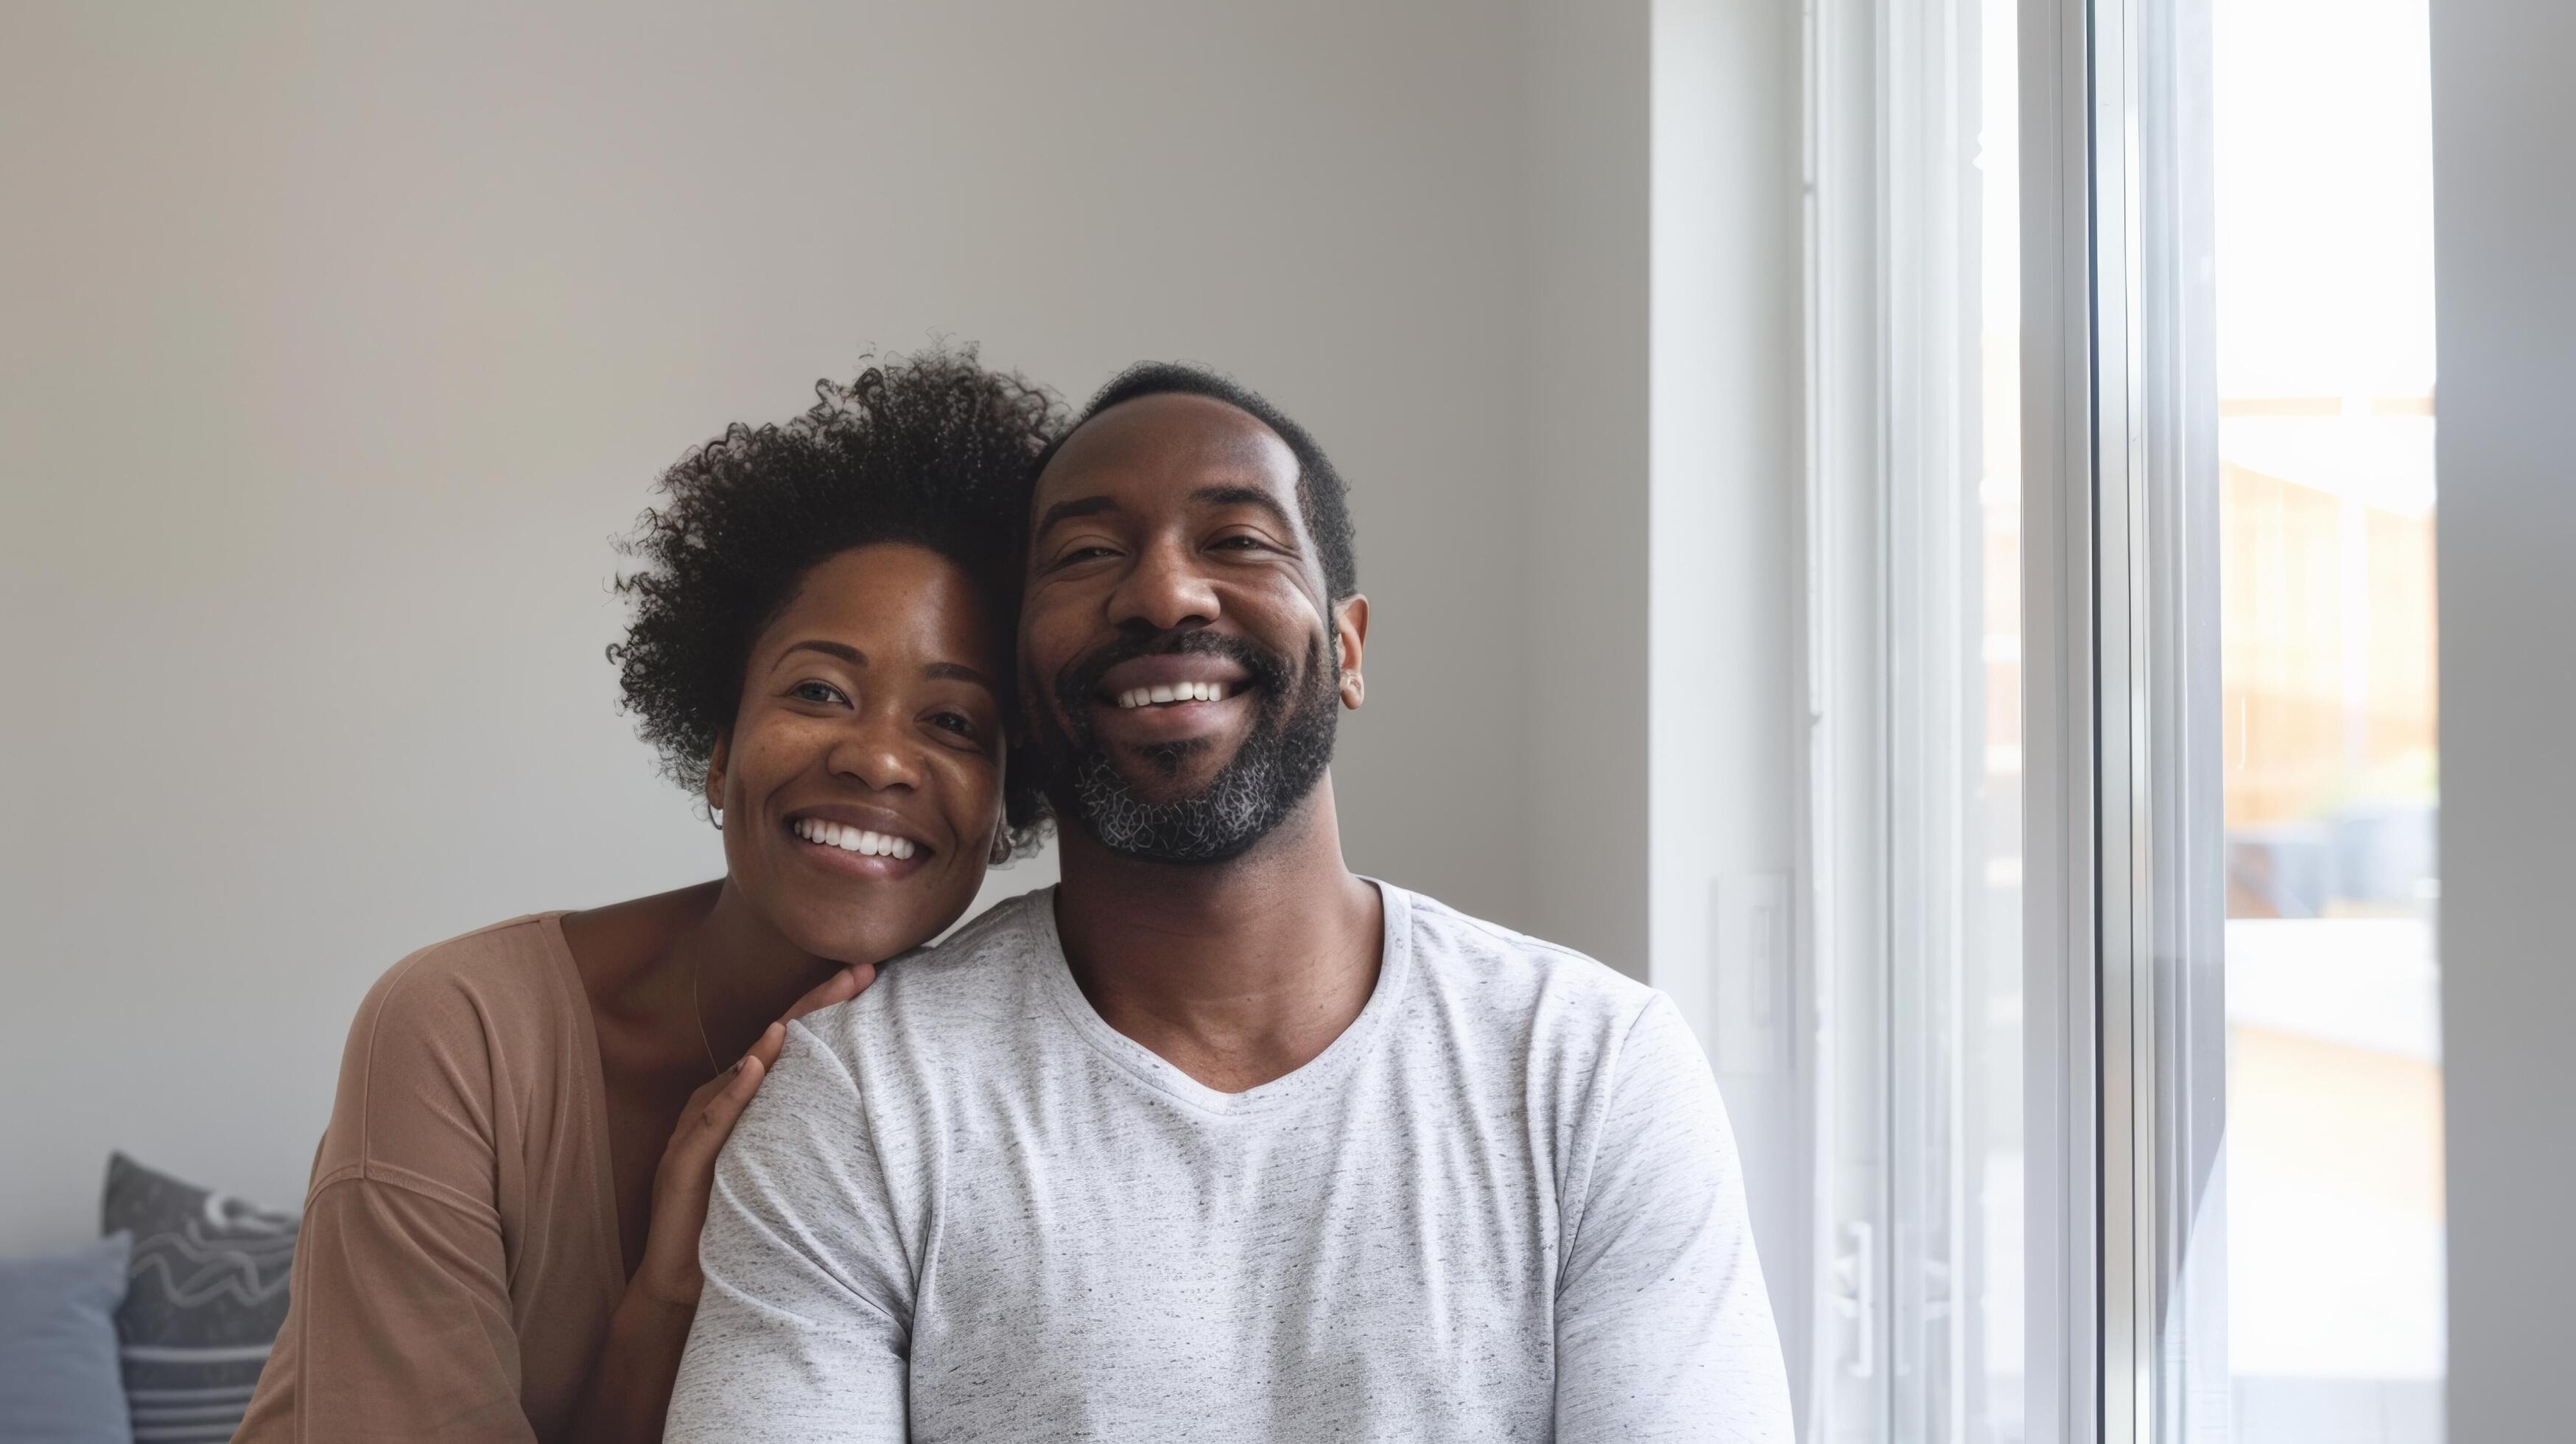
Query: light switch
point(1749, 933)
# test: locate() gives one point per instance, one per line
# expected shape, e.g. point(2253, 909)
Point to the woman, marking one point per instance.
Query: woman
point(500, 1242)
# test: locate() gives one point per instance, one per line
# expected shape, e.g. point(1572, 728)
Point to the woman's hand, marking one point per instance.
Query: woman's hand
point(669, 1273)
point(630, 1386)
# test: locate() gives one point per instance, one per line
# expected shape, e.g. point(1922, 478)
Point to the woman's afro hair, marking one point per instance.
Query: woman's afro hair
point(930, 449)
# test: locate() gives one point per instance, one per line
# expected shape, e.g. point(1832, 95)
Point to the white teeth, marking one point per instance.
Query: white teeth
point(1177, 692)
point(856, 839)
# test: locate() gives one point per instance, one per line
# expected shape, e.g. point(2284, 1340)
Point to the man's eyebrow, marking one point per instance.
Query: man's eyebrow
point(1079, 506)
point(1252, 496)
point(845, 652)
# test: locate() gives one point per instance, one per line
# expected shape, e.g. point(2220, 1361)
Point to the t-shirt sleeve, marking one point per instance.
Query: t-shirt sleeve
point(1663, 1330)
point(399, 1323)
point(801, 1331)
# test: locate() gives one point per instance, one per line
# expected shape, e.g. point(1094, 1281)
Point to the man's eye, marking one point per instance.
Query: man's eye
point(1081, 554)
point(1240, 543)
point(820, 693)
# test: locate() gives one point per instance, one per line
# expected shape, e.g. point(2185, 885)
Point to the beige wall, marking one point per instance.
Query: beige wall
point(336, 346)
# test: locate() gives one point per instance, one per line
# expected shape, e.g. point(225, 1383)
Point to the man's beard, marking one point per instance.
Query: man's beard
point(1282, 757)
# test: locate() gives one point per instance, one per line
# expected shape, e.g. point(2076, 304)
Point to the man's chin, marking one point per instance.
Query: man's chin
point(1157, 782)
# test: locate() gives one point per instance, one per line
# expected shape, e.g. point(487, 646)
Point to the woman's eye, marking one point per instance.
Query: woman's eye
point(956, 722)
point(819, 693)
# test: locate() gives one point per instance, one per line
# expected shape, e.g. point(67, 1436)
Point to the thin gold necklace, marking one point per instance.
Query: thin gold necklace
point(698, 1014)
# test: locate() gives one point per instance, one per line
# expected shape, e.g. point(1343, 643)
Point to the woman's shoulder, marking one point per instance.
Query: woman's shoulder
point(449, 1039)
point(510, 972)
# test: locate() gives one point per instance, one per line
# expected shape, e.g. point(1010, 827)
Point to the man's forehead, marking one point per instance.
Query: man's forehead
point(1165, 448)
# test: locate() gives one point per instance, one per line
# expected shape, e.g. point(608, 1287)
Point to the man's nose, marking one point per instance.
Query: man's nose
point(1164, 591)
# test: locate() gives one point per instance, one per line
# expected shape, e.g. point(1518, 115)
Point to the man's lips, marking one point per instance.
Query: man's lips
point(1190, 710)
point(1171, 677)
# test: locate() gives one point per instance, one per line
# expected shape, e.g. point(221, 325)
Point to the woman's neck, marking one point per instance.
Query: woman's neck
point(738, 972)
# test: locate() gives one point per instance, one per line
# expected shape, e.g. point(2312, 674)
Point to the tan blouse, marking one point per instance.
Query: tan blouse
point(459, 1259)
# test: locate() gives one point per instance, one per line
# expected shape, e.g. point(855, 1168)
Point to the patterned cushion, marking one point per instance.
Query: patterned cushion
point(207, 1293)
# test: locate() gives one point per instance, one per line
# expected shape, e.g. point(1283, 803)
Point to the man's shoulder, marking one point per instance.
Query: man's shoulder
point(1517, 976)
point(978, 974)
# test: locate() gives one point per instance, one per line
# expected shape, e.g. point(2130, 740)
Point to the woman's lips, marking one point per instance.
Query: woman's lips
point(850, 837)
point(863, 853)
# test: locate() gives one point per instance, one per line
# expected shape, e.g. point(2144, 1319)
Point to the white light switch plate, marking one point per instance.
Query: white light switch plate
point(1749, 935)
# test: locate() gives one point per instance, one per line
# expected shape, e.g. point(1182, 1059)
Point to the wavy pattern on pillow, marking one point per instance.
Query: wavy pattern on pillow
point(206, 1294)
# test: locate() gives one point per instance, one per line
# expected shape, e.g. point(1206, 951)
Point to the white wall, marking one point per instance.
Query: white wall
point(1724, 542)
point(1664, 425)
point(334, 346)
point(2504, 207)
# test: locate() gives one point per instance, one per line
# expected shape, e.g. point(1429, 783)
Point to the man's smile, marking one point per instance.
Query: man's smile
point(1169, 697)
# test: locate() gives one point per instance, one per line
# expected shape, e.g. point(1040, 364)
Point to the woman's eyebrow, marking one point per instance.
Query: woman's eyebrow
point(842, 650)
point(959, 671)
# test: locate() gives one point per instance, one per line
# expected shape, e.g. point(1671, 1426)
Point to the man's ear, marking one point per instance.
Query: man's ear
point(1350, 635)
point(716, 773)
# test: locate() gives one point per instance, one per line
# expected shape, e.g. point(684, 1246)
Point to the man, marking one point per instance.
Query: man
point(1217, 1140)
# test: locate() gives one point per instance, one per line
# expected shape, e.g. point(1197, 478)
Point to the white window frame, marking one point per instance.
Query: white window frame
point(2067, 1244)
point(2123, 999)
point(1882, 520)
point(2122, 832)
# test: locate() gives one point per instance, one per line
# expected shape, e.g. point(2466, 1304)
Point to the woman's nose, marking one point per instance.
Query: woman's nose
point(879, 754)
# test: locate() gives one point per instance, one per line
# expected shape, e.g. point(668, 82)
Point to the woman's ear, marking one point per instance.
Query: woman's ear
point(714, 789)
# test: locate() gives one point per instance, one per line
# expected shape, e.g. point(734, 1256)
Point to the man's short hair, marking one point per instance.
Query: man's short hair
point(1321, 496)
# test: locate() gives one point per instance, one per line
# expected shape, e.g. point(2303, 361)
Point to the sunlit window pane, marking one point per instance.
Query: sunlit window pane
point(2325, 361)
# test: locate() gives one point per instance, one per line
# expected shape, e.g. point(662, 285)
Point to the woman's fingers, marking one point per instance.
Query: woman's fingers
point(842, 986)
point(767, 1045)
point(670, 1268)
point(716, 1120)
point(689, 1160)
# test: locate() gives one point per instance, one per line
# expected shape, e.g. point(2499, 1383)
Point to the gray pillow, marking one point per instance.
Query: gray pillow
point(208, 1294)
point(58, 1381)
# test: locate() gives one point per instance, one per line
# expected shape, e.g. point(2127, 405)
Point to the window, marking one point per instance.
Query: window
point(2122, 772)
point(1915, 762)
point(2254, 231)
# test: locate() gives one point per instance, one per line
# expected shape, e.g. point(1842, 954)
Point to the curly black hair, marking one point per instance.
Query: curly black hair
point(930, 448)
point(1320, 492)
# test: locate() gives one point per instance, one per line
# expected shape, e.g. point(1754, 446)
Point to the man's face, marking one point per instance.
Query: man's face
point(1177, 648)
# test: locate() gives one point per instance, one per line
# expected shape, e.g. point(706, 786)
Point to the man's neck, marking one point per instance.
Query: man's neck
point(1237, 972)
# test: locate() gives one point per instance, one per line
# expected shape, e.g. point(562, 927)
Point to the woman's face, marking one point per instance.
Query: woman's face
point(862, 782)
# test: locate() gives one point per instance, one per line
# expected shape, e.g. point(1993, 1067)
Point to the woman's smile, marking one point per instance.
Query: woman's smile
point(869, 844)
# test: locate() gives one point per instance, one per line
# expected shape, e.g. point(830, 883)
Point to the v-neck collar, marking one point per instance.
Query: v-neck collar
point(592, 1082)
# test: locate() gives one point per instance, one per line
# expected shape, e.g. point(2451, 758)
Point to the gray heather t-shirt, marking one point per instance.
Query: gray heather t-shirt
point(1504, 1204)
